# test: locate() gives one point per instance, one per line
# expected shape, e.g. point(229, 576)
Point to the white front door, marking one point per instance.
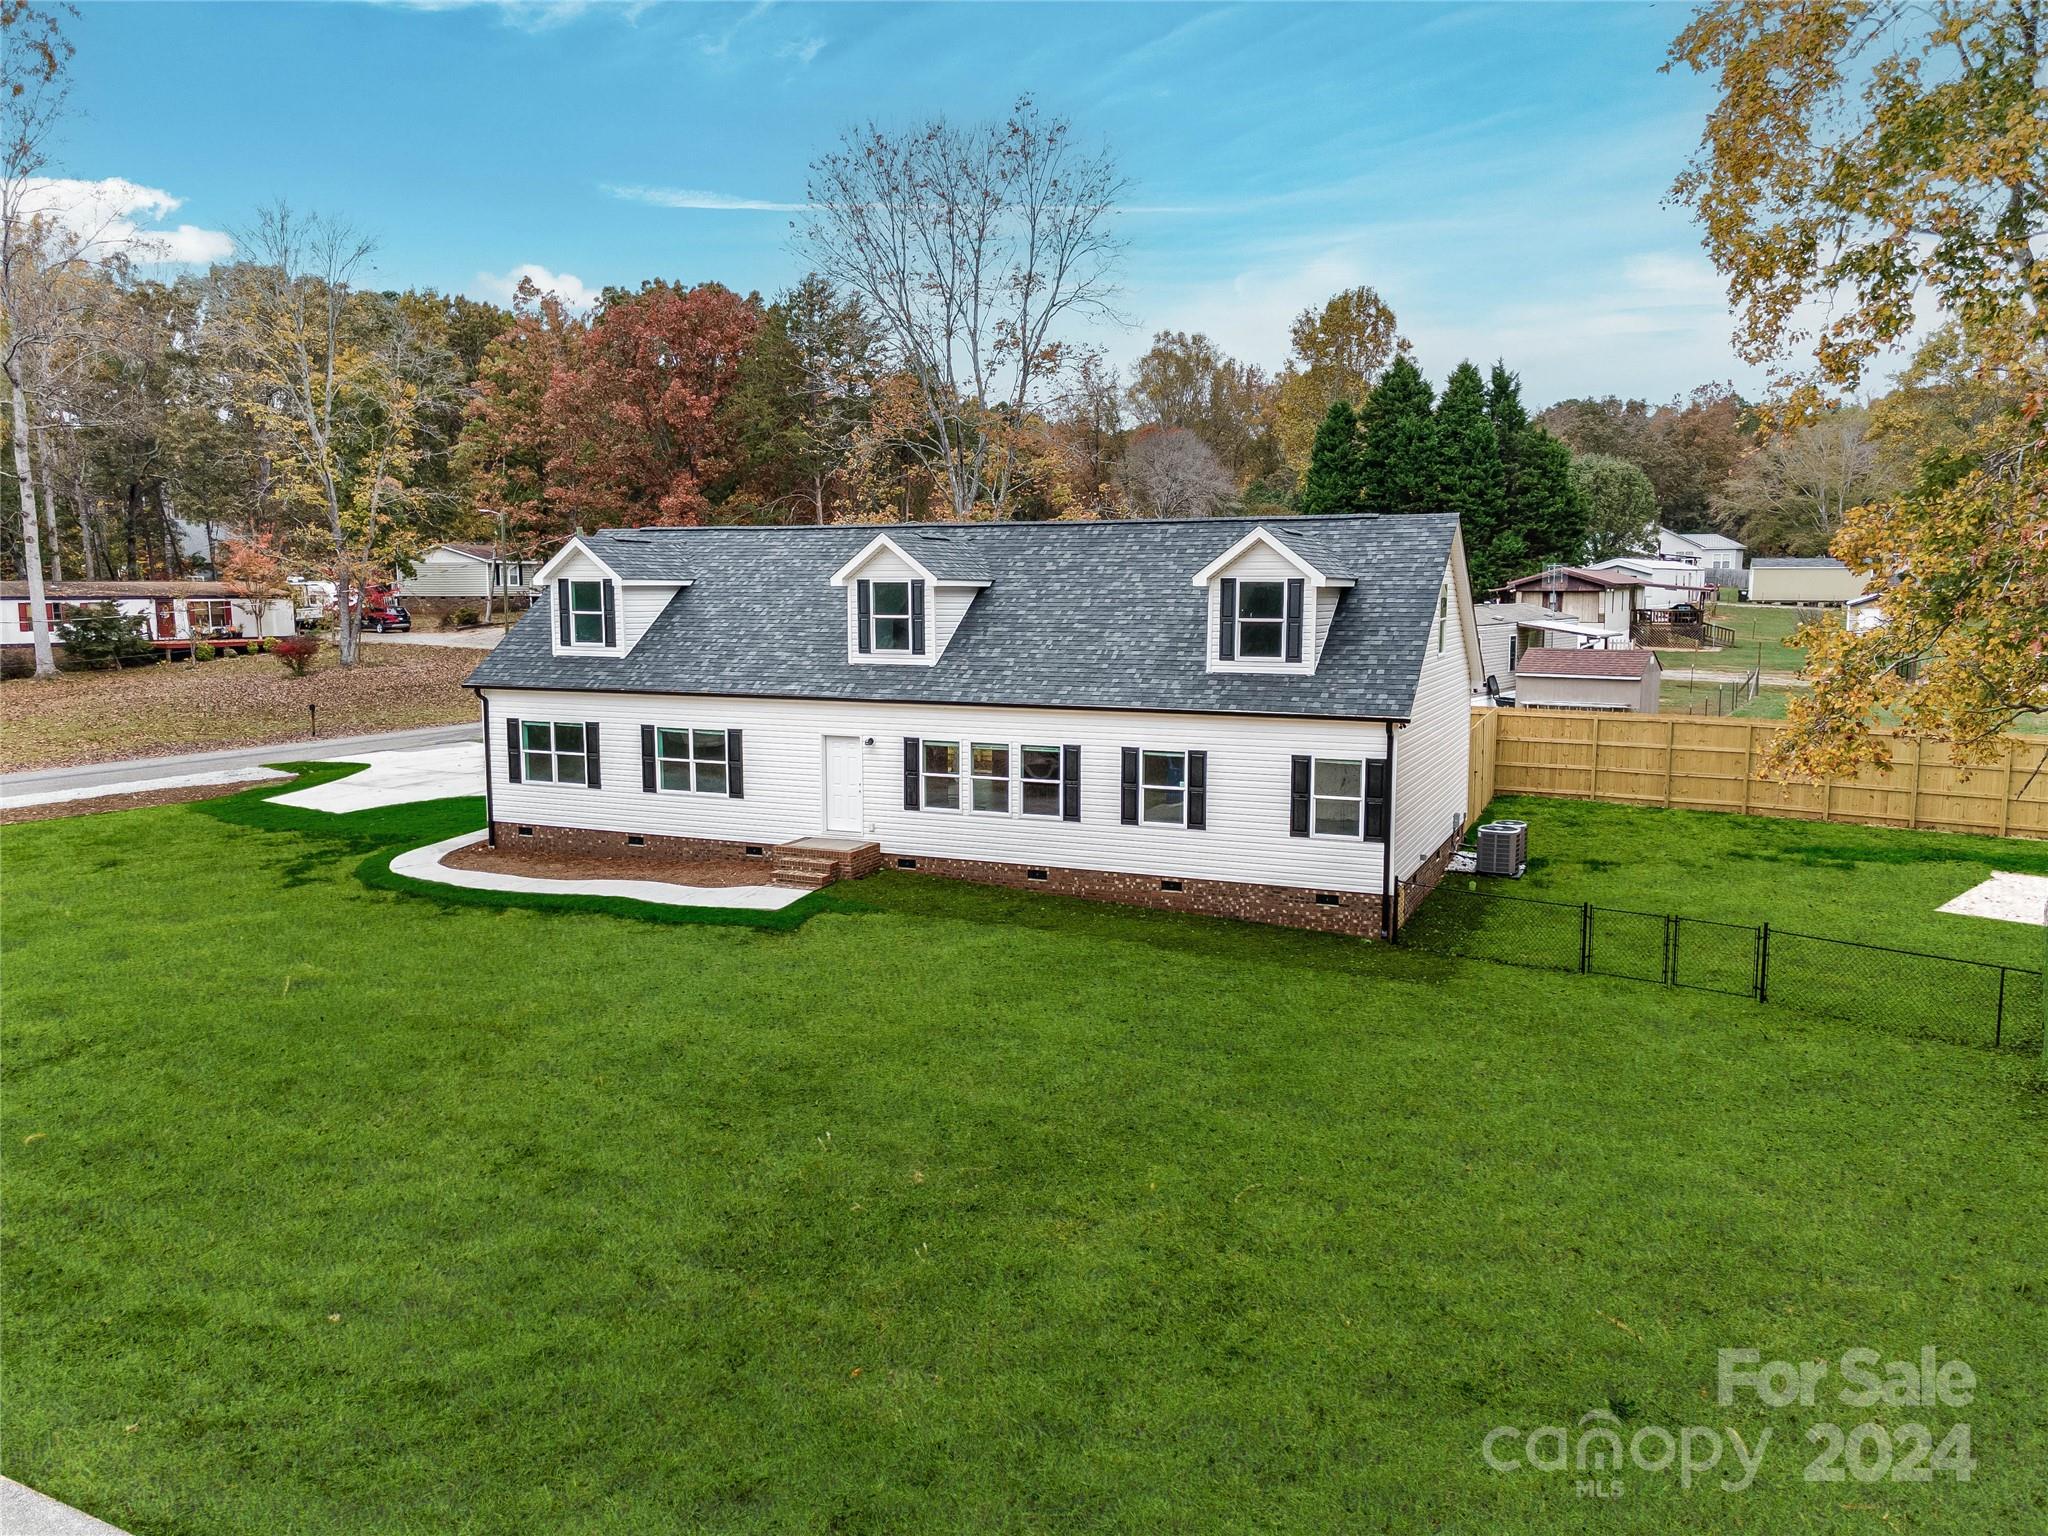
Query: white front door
point(842, 784)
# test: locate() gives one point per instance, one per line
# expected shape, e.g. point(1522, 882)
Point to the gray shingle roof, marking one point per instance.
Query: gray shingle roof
point(1077, 615)
point(1807, 562)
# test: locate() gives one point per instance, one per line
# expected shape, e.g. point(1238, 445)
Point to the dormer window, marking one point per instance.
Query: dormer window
point(586, 612)
point(1261, 619)
point(889, 620)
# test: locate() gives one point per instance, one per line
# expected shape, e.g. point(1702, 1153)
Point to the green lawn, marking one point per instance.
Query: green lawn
point(1761, 624)
point(335, 1209)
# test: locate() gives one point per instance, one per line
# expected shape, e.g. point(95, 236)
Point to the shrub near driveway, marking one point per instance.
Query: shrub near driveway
point(972, 1210)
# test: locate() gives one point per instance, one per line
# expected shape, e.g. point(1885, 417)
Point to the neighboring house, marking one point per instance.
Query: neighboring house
point(1256, 719)
point(1507, 630)
point(1661, 585)
point(175, 614)
point(1605, 600)
point(1715, 553)
point(1558, 679)
point(1861, 614)
point(1810, 580)
point(468, 571)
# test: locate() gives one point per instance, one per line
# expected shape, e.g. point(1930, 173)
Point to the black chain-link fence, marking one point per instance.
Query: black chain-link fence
point(1974, 1002)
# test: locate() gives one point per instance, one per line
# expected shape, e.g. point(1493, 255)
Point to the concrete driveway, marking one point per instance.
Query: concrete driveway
point(24, 1512)
point(460, 639)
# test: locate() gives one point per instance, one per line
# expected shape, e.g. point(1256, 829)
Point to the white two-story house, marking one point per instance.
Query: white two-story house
point(1256, 718)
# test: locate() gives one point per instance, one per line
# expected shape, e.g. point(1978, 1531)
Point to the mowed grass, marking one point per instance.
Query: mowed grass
point(332, 1209)
point(1877, 885)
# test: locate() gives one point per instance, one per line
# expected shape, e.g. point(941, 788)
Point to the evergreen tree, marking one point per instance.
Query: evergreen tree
point(1548, 507)
point(1398, 459)
point(1470, 481)
point(1545, 515)
point(1332, 482)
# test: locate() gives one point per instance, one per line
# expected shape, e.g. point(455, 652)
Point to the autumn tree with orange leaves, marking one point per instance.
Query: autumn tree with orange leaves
point(1863, 158)
point(633, 415)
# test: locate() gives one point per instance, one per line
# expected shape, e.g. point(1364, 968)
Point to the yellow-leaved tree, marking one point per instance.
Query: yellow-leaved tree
point(1865, 163)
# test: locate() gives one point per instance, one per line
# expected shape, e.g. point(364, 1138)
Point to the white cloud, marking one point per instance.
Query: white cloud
point(801, 49)
point(685, 197)
point(567, 286)
point(116, 216)
point(532, 15)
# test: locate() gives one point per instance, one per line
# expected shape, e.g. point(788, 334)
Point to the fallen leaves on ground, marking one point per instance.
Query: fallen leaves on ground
point(174, 706)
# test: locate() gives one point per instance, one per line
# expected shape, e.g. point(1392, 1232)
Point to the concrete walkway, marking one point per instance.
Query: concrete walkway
point(398, 778)
point(24, 1512)
point(142, 773)
point(425, 864)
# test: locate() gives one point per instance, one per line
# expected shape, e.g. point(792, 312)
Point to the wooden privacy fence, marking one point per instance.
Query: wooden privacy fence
point(1699, 764)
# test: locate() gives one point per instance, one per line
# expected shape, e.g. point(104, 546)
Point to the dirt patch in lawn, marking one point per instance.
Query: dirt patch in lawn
point(99, 717)
point(560, 866)
point(129, 802)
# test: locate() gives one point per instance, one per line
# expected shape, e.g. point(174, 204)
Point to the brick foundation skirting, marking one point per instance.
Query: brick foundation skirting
point(1418, 885)
point(1351, 912)
point(1356, 913)
point(654, 848)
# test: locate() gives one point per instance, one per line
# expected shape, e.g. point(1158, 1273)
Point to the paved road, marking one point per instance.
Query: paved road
point(139, 770)
point(24, 1512)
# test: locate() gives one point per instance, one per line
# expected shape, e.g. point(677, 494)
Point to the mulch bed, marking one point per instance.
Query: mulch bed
point(564, 866)
point(128, 802)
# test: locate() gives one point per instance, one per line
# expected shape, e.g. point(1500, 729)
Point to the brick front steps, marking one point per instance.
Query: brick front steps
point(812, 862)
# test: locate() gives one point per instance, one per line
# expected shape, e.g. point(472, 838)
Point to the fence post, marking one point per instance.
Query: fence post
point(1670, 949)
point(1998, 1022)
point(1763, 963)
point(1585, 938)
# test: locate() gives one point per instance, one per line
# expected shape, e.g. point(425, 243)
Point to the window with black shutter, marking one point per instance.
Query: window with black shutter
point(913, 761)
point(1376, 800)
point(1130, 787)
point(1297, 797)
point(1296, 592)
point(1198, 791)
point(1226, 619)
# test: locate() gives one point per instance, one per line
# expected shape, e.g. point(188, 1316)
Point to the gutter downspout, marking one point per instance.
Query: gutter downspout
point(1387, 928)
point(490, 816)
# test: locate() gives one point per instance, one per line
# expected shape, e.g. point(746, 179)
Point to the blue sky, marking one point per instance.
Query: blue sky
point(1497, 172)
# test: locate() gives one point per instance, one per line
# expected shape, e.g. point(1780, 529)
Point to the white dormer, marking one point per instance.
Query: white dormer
point(1270, 605)
point(905, 598)
point(592, 609)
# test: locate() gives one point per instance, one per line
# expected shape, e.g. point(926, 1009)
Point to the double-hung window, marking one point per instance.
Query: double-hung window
point(890, 619)
point(989, 765)
point(942, 775)
point(554, 752)
point(586, 612)
point(1163, 788)
point(1339, 790)
point(1039, 772)
point(1261, 619)
point(691, 761)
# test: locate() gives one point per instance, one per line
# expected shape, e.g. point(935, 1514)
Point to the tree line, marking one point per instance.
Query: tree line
point(928, 366)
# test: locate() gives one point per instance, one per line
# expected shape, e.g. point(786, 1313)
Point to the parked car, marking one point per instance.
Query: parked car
point(382, 611)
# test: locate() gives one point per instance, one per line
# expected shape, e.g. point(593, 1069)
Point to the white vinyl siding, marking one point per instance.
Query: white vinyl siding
point(1248, 796)
point(1432, 754)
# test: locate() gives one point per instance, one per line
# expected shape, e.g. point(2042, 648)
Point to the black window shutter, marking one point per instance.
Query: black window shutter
point(917, 618)
point(647, 759)
point(514, 763)
point(911, 748)
point(1376, 800)
point(863, 606)
point(1130, 786)
point(1070, 783)
point(1296, 590)
point(1297, 799)
point(1198, 791)
point(562, 607)
point(735, 768)
point(591, 777)
point(611, 623)
point(1226, 620)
